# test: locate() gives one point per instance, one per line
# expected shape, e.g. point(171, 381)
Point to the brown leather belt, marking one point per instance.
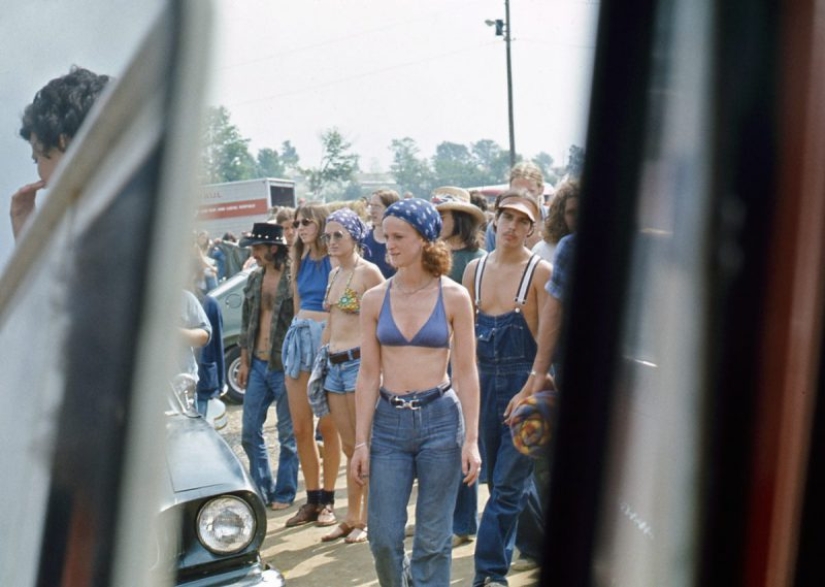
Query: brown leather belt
point(344, 356)
point(262, 355)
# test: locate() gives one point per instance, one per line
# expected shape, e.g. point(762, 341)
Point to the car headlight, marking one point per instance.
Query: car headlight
point(226, 524)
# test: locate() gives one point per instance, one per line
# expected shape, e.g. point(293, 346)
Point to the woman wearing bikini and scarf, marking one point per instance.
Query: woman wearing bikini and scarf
point(410, 421)
point(344, 234)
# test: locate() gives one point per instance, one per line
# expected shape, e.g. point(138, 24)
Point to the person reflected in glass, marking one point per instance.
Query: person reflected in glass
point(49, 124)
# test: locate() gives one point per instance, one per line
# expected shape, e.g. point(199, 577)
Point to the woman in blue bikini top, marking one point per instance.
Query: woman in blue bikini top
point(407, 327)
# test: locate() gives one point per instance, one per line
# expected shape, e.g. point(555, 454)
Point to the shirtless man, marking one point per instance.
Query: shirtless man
point(267, 313)
point(507, 289)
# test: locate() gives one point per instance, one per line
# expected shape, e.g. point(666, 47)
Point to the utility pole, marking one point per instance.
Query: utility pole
point(507, 30)
point(503, 30)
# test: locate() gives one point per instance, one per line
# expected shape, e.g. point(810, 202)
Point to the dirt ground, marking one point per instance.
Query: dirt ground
point(305, 561)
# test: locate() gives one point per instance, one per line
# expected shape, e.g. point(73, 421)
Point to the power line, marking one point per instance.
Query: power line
point(363, 75)
point(355, 35)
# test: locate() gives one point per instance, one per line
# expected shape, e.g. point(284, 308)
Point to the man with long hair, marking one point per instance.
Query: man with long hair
point(267, 313)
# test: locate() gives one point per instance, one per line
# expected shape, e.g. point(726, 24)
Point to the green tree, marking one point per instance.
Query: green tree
point(575, 161)
point(545, 163)
point(225, 154)
point(411, 173)
point(493, 163)
point(269, 164)
point(453, 164)
point(337, 164)
point(353, 191)
point(289, 156)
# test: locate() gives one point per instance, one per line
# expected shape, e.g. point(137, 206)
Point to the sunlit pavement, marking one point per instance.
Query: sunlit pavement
point(307, 562)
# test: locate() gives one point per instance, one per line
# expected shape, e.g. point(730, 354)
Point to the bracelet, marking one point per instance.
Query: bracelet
point(359, 445)
point(533, 373)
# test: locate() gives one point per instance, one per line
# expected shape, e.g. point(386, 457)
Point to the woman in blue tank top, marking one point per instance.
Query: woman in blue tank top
point(410, 420)
point(310, 269)
point(375, 245)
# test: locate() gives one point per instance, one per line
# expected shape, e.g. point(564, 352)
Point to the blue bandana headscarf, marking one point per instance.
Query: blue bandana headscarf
point(351, 222)
point(420, 214)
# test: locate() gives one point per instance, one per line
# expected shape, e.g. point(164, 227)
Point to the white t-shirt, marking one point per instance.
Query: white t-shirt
point(544, 250)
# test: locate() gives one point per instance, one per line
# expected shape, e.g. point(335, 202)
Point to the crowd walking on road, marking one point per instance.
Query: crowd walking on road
point(404, 338)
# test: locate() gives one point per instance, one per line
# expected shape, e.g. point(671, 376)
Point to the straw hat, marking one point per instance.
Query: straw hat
point(456, 199)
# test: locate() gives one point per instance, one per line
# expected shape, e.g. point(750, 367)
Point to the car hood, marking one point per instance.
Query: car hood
point(197, 457)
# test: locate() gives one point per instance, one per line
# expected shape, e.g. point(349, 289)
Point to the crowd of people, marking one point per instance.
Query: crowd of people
point(406, 345)
point(404, 332)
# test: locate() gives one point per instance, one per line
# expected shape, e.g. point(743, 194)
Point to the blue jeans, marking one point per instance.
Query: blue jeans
point(530, 533)
point(262, 389)
point(424, 443)
point(506, 350)
point(465, 515)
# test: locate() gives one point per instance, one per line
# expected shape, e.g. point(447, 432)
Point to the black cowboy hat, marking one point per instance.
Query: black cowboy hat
point(264, 233)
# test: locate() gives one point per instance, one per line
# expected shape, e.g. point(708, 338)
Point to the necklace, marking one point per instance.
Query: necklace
point(416, 290)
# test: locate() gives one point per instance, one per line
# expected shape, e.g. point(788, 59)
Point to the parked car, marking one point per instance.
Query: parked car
point(213, 500)
point(229, 295)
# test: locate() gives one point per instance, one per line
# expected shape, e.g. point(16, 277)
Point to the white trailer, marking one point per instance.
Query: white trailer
point(235, 206)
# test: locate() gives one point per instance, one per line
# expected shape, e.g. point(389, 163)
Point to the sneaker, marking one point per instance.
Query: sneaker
point(308, 513)
point(459, 539)
point(524, 563)
point(325, 517)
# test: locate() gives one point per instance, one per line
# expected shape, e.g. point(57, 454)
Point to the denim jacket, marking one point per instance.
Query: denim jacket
point(282, 314)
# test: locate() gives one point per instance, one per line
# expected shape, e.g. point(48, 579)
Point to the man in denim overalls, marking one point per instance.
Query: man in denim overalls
point(507, 287)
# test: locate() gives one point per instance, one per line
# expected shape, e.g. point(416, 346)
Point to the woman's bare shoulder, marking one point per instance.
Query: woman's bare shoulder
point(371, 272)
point(374, 294)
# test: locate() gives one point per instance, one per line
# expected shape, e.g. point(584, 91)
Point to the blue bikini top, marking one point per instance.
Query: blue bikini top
point(434, 334)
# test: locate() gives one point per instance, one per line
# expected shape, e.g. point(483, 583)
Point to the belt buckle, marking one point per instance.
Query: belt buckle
point(402, 404)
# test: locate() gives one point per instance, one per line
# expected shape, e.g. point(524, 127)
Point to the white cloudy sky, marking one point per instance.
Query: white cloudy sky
point(287, 70)
point(428, 69)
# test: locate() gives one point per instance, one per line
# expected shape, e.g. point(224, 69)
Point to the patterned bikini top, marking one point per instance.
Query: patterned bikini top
point(350, 300)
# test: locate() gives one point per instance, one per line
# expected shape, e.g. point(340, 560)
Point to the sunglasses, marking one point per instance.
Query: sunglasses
point(333, 236)
point(302, 222)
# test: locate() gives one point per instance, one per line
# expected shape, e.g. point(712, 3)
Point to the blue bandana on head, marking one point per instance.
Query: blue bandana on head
point(351, 222)
point(420, 214)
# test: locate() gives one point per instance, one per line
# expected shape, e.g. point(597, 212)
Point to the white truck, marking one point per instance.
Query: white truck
point(235, 206)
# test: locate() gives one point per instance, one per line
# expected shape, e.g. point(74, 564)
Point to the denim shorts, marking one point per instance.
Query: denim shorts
point(341, 376)
point(301, 344)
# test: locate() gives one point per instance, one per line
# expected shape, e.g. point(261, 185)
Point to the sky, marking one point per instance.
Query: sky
point(377, 70)
point(431, 70)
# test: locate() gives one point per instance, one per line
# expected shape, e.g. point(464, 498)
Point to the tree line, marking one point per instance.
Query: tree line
point(226, 157)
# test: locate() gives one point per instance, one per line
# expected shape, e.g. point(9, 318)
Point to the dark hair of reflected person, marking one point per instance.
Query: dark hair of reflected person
point(60, 107)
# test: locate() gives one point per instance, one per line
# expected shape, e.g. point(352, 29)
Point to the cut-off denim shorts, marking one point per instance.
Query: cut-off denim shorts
point(341, 377)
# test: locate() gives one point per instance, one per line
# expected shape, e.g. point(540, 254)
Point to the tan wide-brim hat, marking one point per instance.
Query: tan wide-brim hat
point(457, 200)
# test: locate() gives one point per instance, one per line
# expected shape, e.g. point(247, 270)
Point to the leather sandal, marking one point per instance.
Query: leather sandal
point(308, 513)
point(357, 535)
point(325, 516)
point(342, 530)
